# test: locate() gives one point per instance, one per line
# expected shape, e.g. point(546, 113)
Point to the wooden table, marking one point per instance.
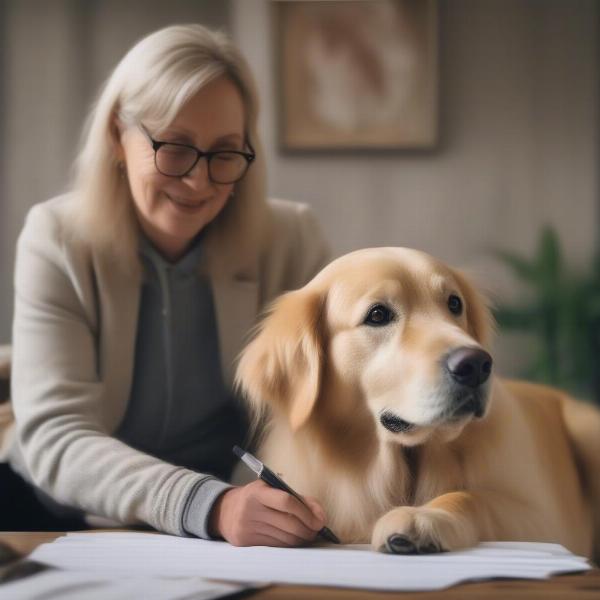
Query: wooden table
point(565, 587)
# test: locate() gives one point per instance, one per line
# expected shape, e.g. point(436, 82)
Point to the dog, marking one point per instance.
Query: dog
point(374, 388)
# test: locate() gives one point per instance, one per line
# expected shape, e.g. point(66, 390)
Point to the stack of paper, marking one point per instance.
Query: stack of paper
point(355, 566)
point(75, 585)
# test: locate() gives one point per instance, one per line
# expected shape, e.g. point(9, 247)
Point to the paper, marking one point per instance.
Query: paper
point(74, 585)
point(351, 566)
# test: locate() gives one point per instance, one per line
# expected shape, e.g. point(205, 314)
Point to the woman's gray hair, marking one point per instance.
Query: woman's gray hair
point(151, 84)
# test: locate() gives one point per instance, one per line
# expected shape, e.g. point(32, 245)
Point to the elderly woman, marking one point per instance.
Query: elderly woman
point(135, 292)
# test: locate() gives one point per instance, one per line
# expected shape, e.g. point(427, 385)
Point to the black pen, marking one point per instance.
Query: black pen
point(274, 481)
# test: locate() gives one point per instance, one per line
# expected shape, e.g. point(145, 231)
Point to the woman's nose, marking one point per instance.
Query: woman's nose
point(198, 178)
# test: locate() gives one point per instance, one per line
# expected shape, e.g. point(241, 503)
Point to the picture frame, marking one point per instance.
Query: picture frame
point(357, 74)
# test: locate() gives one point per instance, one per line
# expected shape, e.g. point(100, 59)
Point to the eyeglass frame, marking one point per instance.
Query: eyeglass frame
point(157, 144)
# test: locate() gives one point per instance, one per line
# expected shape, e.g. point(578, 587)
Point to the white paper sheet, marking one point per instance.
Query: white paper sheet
point(356, 566)
point(75, 585)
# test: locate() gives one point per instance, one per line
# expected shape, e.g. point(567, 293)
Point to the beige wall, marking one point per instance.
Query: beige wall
point(519, 138)
point(519, 143)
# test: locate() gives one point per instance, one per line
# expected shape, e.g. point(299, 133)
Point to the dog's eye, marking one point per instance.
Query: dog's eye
point(379, 315)
point(455, 304)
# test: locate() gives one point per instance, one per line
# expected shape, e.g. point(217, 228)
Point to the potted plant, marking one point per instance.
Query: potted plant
point(562, 312)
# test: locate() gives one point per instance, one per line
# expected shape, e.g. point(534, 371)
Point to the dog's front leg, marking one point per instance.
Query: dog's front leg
point(449, 522)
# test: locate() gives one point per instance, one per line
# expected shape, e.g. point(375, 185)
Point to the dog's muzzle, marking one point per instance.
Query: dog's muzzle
point(468, 369)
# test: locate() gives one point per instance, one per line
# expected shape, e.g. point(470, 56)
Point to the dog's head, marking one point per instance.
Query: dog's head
point(388, 335)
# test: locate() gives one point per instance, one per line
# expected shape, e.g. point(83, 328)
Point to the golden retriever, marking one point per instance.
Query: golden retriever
point(379, 400)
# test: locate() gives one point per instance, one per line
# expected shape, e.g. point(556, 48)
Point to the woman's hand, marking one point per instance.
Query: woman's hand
point(259, 515)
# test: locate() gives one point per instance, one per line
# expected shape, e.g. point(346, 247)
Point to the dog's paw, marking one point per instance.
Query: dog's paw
point(420, 530)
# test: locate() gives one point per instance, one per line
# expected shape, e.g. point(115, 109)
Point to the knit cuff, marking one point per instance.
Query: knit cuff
point(199, 505)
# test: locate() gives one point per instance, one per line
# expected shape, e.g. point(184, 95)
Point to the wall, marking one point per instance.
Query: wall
point(519, 144)
point(519, 134)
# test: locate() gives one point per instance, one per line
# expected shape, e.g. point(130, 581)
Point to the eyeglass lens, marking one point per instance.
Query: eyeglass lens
point(223, 166)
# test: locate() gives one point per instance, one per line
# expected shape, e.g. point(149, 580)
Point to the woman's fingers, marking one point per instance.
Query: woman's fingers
point(283, 502)
point(289, 524)
point(316, 509)
point(257, 514)
point(281, 537)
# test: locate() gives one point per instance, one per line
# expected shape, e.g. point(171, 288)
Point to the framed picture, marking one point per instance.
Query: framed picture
point(357, 74)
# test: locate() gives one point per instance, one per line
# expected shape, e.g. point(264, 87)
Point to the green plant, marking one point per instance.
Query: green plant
point(562, 312)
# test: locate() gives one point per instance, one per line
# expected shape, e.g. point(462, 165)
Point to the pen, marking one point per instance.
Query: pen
point(274, 481)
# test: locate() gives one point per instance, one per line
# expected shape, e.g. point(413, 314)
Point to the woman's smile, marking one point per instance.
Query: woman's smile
point(187, 206)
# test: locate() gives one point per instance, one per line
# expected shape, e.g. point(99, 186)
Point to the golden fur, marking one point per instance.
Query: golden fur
point(528, 468)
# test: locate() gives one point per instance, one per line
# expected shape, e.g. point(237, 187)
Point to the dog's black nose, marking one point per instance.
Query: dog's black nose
point(469, 366)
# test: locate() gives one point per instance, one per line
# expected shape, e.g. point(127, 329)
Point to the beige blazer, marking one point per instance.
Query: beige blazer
point(73, 356)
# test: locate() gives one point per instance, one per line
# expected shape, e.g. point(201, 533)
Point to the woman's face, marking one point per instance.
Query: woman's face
point(172, 210)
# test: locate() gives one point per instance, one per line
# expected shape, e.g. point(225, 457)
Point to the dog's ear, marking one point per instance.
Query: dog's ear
point(281, 368)
point(479, 316)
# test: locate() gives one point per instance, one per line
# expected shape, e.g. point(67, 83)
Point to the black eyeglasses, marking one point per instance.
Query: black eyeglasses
point(177, 160)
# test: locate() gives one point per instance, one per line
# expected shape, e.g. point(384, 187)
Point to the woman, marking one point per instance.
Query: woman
point(134, 294)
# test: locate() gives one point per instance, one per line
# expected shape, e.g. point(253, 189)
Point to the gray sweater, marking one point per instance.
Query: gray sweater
point(179, 409)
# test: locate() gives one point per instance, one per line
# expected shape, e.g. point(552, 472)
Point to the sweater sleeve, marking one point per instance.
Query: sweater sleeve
point(199, 506)
point(58, 393)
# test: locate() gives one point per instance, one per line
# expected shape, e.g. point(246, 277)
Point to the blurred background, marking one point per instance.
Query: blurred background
point(514, 165)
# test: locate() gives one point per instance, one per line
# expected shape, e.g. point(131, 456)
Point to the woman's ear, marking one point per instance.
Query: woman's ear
point(480, 320)
point(282, 367)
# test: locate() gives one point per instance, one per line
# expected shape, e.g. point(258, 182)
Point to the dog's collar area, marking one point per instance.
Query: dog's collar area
point(394, 423)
